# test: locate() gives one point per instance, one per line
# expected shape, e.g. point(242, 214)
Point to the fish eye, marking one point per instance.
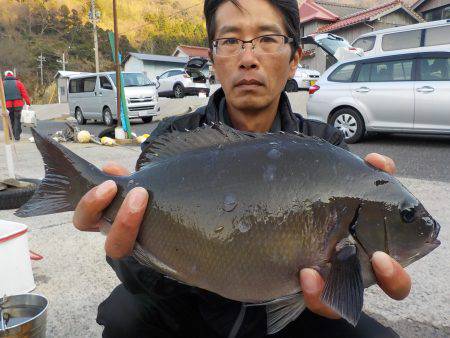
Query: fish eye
point(408, 215)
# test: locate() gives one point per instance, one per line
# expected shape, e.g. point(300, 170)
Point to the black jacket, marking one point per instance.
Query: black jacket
point(218, 312)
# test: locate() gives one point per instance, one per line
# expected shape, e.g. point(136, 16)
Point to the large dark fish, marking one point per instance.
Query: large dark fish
point(239, 214)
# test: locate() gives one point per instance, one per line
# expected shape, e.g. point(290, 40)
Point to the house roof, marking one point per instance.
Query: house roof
point(340, 9)
point(370, 14)
point(309, 11)
point(417, 4)
point(66, 73)
point(193, 51)
point(157, 58)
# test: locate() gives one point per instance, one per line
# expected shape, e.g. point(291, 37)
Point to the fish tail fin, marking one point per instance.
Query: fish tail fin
point(67, 178)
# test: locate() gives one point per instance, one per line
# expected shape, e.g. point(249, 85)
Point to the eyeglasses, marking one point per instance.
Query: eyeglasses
point(264, 44)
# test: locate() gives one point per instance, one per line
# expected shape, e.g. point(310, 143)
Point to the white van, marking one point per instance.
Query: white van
point(93, 97)
point(419, 37)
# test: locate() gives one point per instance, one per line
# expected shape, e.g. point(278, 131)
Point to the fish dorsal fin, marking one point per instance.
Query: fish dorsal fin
point(177, 142)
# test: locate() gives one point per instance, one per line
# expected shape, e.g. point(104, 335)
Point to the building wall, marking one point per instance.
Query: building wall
point(318, 61)
point(431, 4)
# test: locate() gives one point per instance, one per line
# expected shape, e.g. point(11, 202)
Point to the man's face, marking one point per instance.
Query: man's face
point(253, 19)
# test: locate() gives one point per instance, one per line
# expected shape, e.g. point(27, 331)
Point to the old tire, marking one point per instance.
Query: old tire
point(79, 116)
point(107, 117)
point(147, 119)
point(350, 122)
point(291, 86)
point(178, 91)
point(13, 198)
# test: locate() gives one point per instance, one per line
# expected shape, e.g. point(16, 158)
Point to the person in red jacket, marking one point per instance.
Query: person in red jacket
point(15, 94)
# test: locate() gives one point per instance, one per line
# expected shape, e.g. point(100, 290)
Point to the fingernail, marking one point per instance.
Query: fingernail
point(383, 263)
point(104, 188)
point(309, 281)
point(137, 199)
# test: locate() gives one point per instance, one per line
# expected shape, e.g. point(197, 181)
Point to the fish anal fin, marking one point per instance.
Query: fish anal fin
point(344, 290)
point(283, 311)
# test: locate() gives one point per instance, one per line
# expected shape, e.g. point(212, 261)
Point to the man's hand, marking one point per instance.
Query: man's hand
point(122, 235)
point(391, 277)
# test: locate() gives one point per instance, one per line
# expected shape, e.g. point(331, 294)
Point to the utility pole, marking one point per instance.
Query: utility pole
point(116, 59)
point(41, 59)
point(63, 61)
point(94, 17)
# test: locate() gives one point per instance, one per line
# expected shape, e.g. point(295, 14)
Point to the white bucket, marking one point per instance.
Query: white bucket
point(15, 265)
point(119, 133)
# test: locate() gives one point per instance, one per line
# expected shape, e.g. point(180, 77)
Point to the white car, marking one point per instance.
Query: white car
point(397, 92)
point(179, 82)
point(303, 79)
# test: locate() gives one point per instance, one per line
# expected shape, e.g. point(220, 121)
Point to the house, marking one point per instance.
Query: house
point(191, 51)
point(432, 10)
point(321, 17)
point(62, 78)
point(152, 65)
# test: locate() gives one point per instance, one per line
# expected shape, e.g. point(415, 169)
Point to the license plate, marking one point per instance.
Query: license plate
point(312, 83)
point(144, 113)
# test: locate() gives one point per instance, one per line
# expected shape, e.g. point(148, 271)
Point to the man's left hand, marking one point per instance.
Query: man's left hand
point(391, 277)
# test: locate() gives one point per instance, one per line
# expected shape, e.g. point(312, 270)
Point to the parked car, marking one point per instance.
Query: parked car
point(94, 97)
point(396, 92)
point(303, 79)
point(191, 80)
point(338, 48)
point(418, 37)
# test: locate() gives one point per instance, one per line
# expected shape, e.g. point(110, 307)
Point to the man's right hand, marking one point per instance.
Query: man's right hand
point(122, 235)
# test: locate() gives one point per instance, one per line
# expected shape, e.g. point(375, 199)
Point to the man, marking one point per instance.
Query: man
point(15, 94)
point(254, 49)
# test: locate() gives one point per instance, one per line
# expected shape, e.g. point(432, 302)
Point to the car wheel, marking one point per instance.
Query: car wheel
point(350, 123)
point(107, 117)
point(178, 91)
point(291, 86)
point(79, 116)
point(147, 119)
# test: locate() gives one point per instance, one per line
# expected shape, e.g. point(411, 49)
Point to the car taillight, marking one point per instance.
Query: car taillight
point(313, 89)
point(351, 48)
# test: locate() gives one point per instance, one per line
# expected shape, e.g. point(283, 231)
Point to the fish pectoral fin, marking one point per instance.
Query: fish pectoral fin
point(344, 289)
point(147, 259)
point(280, 312)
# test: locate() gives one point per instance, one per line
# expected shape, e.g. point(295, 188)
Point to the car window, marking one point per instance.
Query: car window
point(104, 83)
point(402, 40)
point(89, 84)
point(434, 69)
point(365, 43)
point(400, 70)
point(164, 75)
point(437, 36)
point(74, 86)
point(364, 73)
point(343, 73)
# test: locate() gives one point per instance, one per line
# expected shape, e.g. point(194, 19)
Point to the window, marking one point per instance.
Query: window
point(164, 75)
point(437, 36)
point(386, 71)
point(434, 69)
point(343, 73)
point(175, 72)
point(364, 73)
point(75, 86)
point(365, 44)
point(403, 40)
point(104, 83)
point(437, 14)
point(446, 13)
point(89, 84)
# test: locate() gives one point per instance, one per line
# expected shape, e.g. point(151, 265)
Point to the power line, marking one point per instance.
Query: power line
point(170, 16)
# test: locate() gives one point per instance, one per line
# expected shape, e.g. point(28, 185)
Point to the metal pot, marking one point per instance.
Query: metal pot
point(23, 316)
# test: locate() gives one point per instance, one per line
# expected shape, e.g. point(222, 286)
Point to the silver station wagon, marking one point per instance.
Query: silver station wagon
point(401, 92)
